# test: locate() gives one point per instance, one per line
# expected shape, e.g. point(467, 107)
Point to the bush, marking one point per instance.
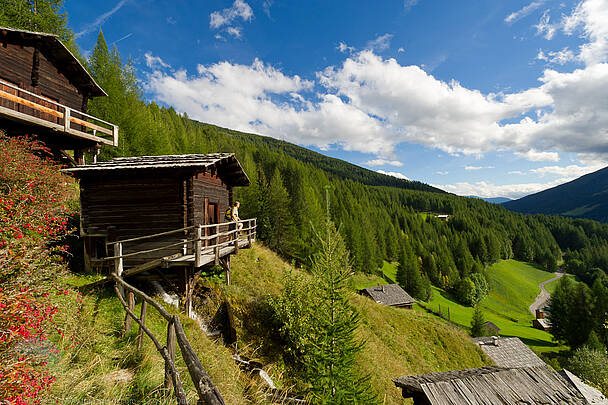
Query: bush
point(591, 366)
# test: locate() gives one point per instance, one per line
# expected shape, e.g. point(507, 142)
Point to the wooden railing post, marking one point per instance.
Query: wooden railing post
point(115, 134)
point(249, 231)
point(171, 351)
point(140, 334)
point(118, 264)
point(236, 237)
point(217, 242)
point(66, 119)
point(128, 319)
point(197, 246)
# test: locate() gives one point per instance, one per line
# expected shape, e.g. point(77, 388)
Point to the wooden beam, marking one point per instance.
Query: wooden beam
point(142, 316)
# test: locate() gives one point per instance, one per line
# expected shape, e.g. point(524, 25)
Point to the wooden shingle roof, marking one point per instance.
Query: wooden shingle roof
point(58, 54)
point(509, 352)
point(227, 165)
point(391, 294)
point(492, 385)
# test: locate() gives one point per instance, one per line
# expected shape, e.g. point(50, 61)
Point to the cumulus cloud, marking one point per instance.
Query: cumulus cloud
point(441, 173)
point(523, 12)
point(490, 190)
point(383, 162)
point(342, 47)
point(591, 16)
point(234, 31)
point(371, 104)
point(571, 171)
point(558, 57)
point(239, 9)
point(394, 174)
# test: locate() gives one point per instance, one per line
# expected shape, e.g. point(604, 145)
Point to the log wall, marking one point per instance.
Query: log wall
point(16, 66)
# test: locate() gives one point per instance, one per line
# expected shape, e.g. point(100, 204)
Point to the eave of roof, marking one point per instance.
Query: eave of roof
point(58, 47)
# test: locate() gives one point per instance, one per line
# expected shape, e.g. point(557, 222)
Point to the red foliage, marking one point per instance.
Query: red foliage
point(34, 209)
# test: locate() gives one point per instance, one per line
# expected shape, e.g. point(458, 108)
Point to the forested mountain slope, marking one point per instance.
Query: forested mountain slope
point(585, 197)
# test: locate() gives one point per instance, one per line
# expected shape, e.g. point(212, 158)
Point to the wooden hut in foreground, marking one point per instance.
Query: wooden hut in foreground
point(45, 90)
point(161, 216)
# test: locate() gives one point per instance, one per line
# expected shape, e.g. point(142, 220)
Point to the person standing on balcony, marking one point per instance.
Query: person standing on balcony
point(235, 216)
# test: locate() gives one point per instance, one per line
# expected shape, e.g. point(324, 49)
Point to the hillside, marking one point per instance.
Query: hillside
point(587, 197)
point(398, 341)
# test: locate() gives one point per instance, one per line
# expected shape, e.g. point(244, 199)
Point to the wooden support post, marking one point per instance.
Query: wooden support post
point(236, 237)
point(171, 350)
point(197, 247)
point(128, 319)
point(66, 119)
point(226, 265)
point(249, 231)
point(185, 247)
point(142, 317)
point(188, 278)
point(115, 134)
point(118, 265)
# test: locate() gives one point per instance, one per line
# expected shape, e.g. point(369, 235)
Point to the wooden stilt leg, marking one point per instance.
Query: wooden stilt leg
point(171, 350)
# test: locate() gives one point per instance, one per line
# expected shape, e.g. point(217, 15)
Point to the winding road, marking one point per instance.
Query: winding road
point(543, 297)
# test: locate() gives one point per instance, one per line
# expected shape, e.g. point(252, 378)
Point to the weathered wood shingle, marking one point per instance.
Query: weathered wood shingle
point(490, 386)
point(509, 352)
point(391, 294)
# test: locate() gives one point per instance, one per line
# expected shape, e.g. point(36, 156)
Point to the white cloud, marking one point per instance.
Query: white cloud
point(266, 5)
point(100, 20)
point(535, 156)
point(515, 172)
point(394, 174)
point(154, 61)
point(471, 168)
point(559, 58)
point(171, 20)
point(523, 12)
point(234, 31)
point(545, 27)
point(400, 50)
point(381, 43)
point(408, 4)
point(439, 172)
point(383, 162)
point(592, 17)
point(239, 9)
point(490, 190)
point(371, 104)
point(342, 47)
point(571, 171)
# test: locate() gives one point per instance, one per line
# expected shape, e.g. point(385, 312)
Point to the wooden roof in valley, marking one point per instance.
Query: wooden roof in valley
point(58, 54)
point(509, 352)
point(491, 386)
point(391, 294)
point(226, 164)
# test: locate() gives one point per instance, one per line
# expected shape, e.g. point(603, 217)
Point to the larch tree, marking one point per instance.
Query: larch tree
point(331, 359)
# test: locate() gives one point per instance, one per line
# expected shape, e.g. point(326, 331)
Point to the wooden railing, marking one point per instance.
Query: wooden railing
point(206, 240)
point(208, 394)
point(46, 112)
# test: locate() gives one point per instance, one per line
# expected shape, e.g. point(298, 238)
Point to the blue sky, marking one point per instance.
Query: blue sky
point(500, 98)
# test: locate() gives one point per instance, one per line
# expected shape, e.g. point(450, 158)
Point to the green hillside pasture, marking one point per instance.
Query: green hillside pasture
point(513, 287)
point(398, 341)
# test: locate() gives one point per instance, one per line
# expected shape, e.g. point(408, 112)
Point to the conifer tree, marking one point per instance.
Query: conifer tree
point(277, 205)
point(330, 362)
point(408, 273)
point(477, 328)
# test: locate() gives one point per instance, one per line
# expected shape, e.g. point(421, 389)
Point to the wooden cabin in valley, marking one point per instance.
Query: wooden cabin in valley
point(161, 216)
point(44, 91)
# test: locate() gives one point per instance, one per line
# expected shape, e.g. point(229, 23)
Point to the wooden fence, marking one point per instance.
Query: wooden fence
point(36, 109)
point(208, 394)
point(206, 245)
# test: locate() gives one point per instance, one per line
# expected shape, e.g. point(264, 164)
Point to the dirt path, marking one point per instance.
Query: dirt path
point(544, 295)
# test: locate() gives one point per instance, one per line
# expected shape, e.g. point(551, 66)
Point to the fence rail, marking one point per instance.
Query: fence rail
point(51, 114)
point(206, 240)
point(208, 393)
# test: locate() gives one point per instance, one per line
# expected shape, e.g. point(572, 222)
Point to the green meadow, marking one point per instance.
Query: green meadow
point(513, 287)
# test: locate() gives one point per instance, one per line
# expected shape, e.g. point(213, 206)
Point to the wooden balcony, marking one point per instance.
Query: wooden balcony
point(33, 110)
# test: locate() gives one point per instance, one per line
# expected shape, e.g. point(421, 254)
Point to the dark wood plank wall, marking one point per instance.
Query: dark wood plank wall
point(211, 187)
point(16, 65)
point(137, 206)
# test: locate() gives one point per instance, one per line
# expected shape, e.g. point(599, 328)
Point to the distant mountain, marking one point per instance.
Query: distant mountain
point(585, 197)
point(493, 200)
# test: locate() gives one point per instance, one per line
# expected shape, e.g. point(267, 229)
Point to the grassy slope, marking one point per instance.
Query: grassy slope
point(513, 287)
point(399, 341)
point(107, 366)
